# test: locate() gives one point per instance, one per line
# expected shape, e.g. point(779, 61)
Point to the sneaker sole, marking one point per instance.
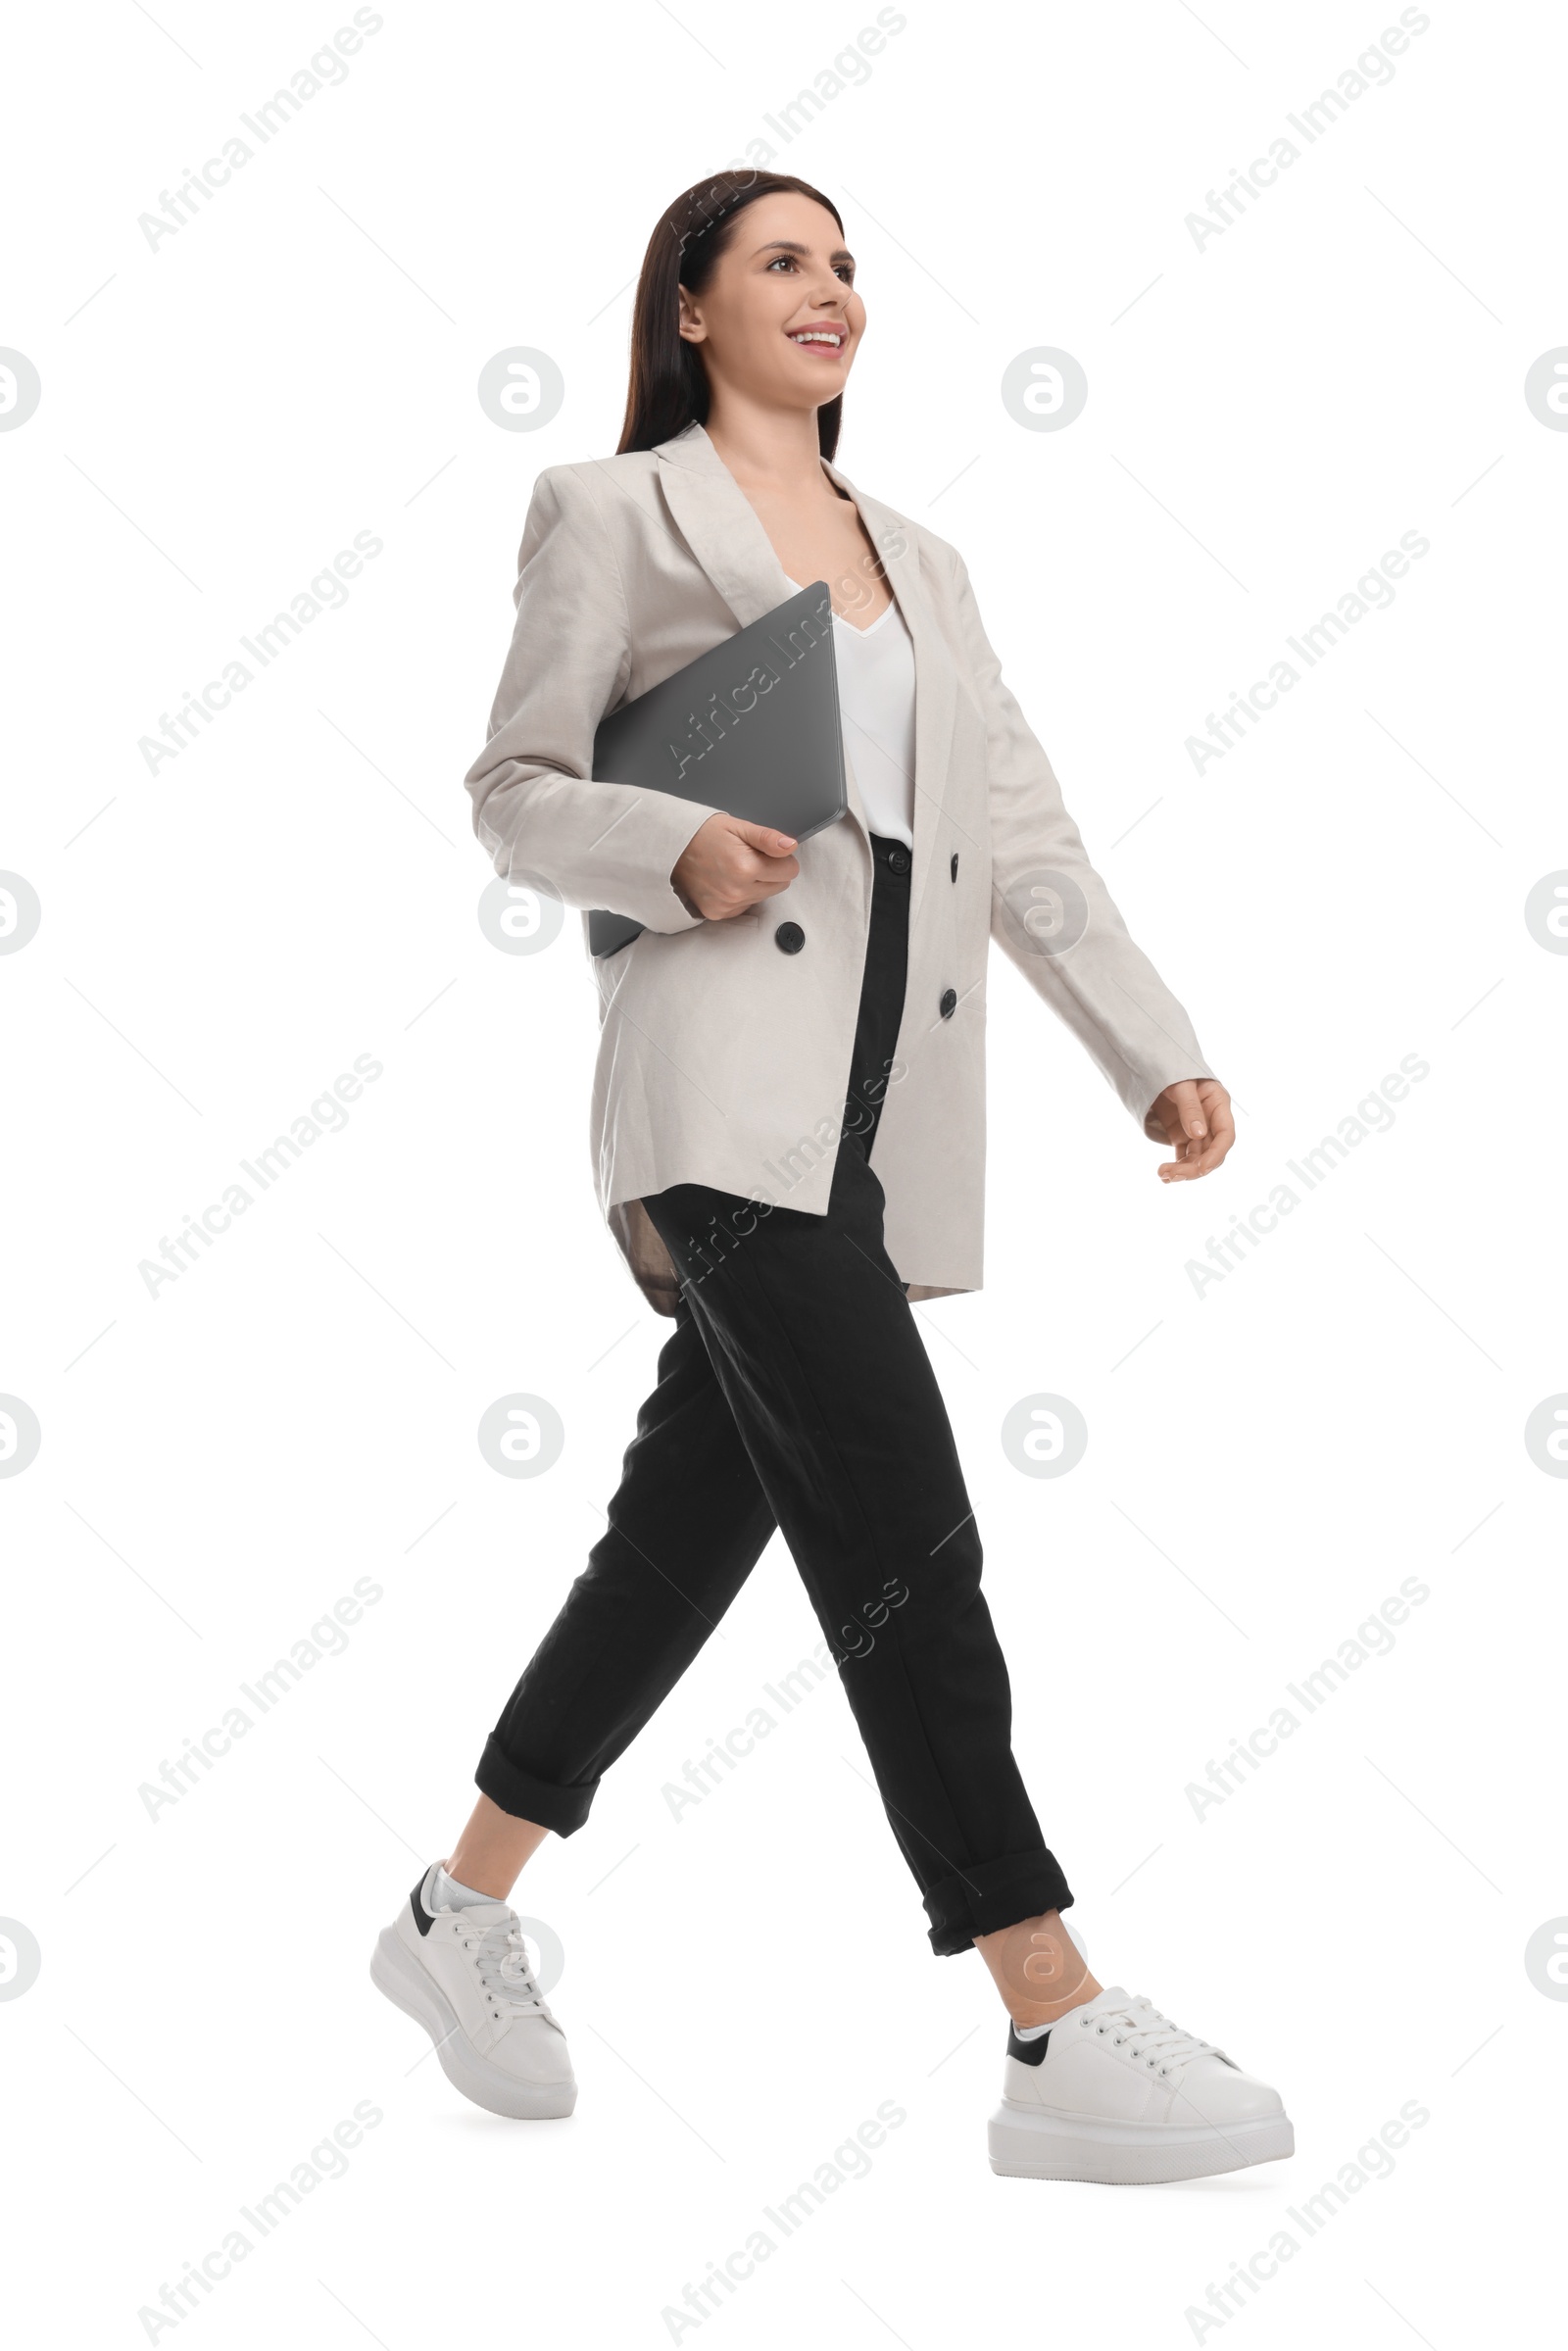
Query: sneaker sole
point(408, 1987)
point(1028, 2144)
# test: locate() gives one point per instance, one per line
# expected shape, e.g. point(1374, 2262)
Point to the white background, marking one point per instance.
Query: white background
point(1266, 1462)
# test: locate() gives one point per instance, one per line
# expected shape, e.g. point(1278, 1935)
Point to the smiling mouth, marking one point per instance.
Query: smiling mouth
point(818, 338)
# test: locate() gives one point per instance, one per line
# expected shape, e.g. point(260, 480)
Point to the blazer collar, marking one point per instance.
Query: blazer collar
point(725, 534)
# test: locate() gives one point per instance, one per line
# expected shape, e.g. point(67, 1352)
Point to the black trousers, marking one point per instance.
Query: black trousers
point(795, 1391)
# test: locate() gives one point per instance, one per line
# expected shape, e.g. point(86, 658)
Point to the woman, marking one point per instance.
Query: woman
point(780, 1019)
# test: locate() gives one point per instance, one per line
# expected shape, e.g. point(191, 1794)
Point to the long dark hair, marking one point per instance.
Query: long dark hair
point(668, 385)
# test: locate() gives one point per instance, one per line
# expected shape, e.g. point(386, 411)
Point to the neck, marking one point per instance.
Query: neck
point(768, 449)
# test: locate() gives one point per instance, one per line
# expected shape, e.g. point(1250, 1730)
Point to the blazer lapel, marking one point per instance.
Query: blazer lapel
point(935, 694)
point(720, 525)
point(722, 529)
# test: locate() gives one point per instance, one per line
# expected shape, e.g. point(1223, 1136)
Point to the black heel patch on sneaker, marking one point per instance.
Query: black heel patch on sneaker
point(424, 1919)
point(1027, 2052)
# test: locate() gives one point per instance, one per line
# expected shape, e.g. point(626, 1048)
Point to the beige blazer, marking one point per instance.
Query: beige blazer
point(721, 1060)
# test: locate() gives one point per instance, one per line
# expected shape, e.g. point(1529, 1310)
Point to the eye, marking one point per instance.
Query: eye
point(788, 259)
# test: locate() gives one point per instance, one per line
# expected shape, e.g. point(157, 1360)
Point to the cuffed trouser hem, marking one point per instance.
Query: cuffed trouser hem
point(991, 1895)
point(519, 1792)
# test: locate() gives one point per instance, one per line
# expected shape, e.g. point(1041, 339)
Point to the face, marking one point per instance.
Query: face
point(779, 320)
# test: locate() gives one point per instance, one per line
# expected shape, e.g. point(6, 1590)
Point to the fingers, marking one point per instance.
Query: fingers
point(742, 890)
point(1224, 1132)
point(759, 865)
point(1190, 1110)
point(769, 880)
point(1202, 1163)
point(731, 865)
point(1201, 1128)
point(1186, 1129)
point(764, 838)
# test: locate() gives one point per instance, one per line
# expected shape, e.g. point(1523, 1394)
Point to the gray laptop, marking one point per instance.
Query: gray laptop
point(751, 727)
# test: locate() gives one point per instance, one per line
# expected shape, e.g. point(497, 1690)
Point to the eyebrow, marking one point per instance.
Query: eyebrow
point(788, 245)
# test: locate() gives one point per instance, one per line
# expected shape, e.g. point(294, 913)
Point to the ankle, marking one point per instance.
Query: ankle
point(1027, 2013)
point(490, 1854)
point(1039, 1968)
point(478, 1879)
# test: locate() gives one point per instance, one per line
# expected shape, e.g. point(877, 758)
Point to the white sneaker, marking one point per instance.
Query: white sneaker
point(464, 1975)
point(1115, 2092)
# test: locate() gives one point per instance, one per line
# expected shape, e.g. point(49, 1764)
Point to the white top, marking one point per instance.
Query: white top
point(876, 702)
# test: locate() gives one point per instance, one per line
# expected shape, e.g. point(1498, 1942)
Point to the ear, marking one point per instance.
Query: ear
point(691, 326)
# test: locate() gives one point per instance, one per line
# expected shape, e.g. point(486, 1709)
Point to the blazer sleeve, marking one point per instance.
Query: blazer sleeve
point(537, 807)
point(1052, 914)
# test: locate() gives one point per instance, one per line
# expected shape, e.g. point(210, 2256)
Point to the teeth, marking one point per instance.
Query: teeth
point(809, 335)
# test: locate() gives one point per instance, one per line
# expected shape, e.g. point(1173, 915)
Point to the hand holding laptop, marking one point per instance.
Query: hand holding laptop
point(728, 866)
point(750, 729)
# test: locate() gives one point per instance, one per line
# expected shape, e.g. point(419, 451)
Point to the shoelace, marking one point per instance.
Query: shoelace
point(1152, 2037)
point(501, 1958)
